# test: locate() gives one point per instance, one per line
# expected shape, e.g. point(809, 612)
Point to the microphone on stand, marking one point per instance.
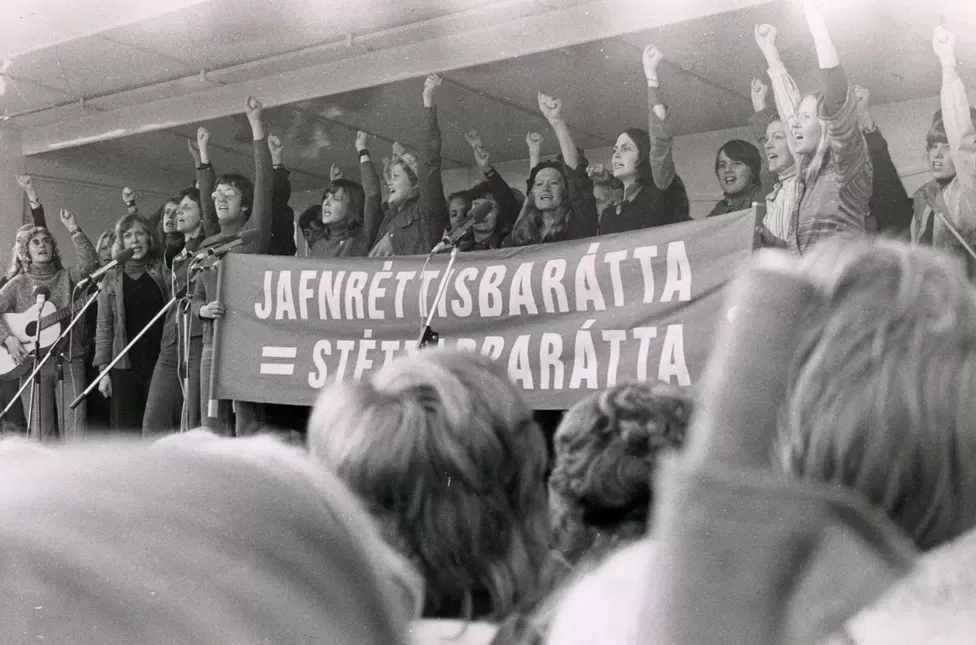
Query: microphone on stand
point(121, 257)
point(477, 215)
point(41, 295)
point(221, 246)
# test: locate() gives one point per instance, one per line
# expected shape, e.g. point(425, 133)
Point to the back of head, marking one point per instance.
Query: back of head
point(309, 217)
point(128, 545)
point(881, 399)
point(607, 450)
point(444, 451)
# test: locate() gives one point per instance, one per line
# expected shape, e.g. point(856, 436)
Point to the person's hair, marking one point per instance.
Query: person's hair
point(131, 221)
point(463, 195)
point(357, 199)
point(231, 541)
point(193, 193)
point(505, 221)
point(527, 228)
point(645, 176)
point(607, 449)
point(243, 185)
point(24, 235)
point(16, 266)
point(880, 396)
point(404, 164)
point(743, 152)
point(105, 238)
point(310, 215)
point(447, 455)
point(810, 165)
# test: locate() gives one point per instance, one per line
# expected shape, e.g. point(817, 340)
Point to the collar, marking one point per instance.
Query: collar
point(42, 270)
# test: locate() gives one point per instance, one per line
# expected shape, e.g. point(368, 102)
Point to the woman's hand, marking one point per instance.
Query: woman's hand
point(254, 110)
point(482, 158)
point(212, 310)
point(26, 182)
point(105, 386)
point(69, 221)
point(551, 108)
point(766, 39)
point(15, 349)
point(203, 143)
point(194, 152)
point(362, 139)
point(474, 139)
point(651, 58)
point(534, 141)
point(277, 149)
point(759, 93)
point(944, 45)
point(383, 248)
point(335, 172)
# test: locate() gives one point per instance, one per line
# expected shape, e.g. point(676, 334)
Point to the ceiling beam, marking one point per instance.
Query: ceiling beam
point(564, 27)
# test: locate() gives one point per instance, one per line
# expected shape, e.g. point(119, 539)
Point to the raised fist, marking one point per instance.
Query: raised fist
point(551, 108)
point(652, 57)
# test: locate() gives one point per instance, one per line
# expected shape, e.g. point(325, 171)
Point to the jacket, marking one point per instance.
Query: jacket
point(110, 336)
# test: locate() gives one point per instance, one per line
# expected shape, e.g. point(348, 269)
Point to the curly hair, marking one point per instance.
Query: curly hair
point(129, 221)
point(448, 457)
point(881, 394)
point(607, 448)
point(24, 235)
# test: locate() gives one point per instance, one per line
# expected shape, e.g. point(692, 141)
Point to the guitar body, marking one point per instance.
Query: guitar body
point(24, 326)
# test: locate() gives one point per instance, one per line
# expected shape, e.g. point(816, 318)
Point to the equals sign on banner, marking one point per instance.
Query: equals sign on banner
point(279, 368)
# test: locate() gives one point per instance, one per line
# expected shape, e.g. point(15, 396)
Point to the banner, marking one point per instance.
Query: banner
point(566, 319)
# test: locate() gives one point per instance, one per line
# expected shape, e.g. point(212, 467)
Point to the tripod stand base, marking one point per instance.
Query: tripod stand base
point(429, 337)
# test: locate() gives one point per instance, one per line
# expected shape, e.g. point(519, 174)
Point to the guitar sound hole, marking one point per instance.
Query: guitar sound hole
point(31, 329)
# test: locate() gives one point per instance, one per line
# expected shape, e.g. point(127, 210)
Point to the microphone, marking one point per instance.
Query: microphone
point(41, 294)
point(222, 245)
point(121, 257)
point(477, 214)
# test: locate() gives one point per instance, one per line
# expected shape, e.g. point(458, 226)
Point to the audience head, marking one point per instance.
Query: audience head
point(104, 246)
point(189, 217)
point(777, 148)
point(403, 183)
point(167, 220)
point(236, 541)
point(135, 232)
point(448, 457)
point(310, 223)
point(881, 397)
point(738, 166)
point(607, 448)
point(480, 194)
point(458, 205)
point(232, 197)
point(938, 153)
point(343, 202)
point(631, 160)
point(36, 247)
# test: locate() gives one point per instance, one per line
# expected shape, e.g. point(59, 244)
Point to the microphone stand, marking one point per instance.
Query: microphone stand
point(38, 365)
point(32, 431)
point(427, 335)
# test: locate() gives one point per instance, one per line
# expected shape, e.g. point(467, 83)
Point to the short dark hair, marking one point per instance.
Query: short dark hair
point(743, 152)
point(309, 215)
point(357, 196)
point(243, 184)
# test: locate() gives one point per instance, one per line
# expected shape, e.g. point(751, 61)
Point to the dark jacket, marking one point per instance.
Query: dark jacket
point(891, 208)
point(110, 336)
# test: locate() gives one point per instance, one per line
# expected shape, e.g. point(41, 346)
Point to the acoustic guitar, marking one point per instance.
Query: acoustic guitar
point(24, 328)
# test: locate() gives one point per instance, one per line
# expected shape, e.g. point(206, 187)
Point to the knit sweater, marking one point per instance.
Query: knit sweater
point(17, 295)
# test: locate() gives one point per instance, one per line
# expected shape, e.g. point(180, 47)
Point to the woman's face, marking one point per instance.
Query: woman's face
point(733, 176)
point(486, 226)
point(400, 187)
point(548, 189)
point(940, 161)
point(778, 148)
point(807, 129)
point(626, 158)
point(335, 206)
point(188, 217)
point(170, 210)
point(41, 248)
point(457, 210)
point(229, 202)
point(136, 237)
point(105, 251)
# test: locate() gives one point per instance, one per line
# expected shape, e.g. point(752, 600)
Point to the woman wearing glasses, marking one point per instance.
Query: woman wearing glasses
point(236, 205)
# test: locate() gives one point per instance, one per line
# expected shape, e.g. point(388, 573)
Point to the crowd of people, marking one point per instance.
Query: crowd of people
point(824, 452)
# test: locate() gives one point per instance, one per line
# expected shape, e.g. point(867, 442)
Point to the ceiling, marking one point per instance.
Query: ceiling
point(210, 46)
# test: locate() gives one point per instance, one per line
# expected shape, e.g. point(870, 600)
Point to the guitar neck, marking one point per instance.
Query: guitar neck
point(59, 315)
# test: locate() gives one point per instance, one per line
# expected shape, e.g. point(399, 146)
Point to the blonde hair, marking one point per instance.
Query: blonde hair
point(447, 455)
point(106, 237)
point(811, 165)
point(131, 221)
point(882, 395)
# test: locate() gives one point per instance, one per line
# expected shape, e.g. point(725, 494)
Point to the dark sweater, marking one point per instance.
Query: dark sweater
point(143, 300)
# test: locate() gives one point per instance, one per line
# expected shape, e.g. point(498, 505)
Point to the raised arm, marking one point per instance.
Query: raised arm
point(373, 207)
point(659, 128)
point(26, 182)
point(131, 207)
point(786, 95)
point(282, 216)
point(956, 116)
point(534, 141)
point(206, 180)
point(891, 207)
point(552, 109)
point(508, 206)
point(848, 149)
point(84, 249)
point(432, 202)
point(261, 208)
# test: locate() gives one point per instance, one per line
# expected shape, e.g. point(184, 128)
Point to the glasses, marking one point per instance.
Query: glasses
point(227, 193)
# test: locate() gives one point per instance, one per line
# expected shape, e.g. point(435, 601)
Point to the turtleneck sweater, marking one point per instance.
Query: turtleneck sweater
point(135, 268)
point(17, 296)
